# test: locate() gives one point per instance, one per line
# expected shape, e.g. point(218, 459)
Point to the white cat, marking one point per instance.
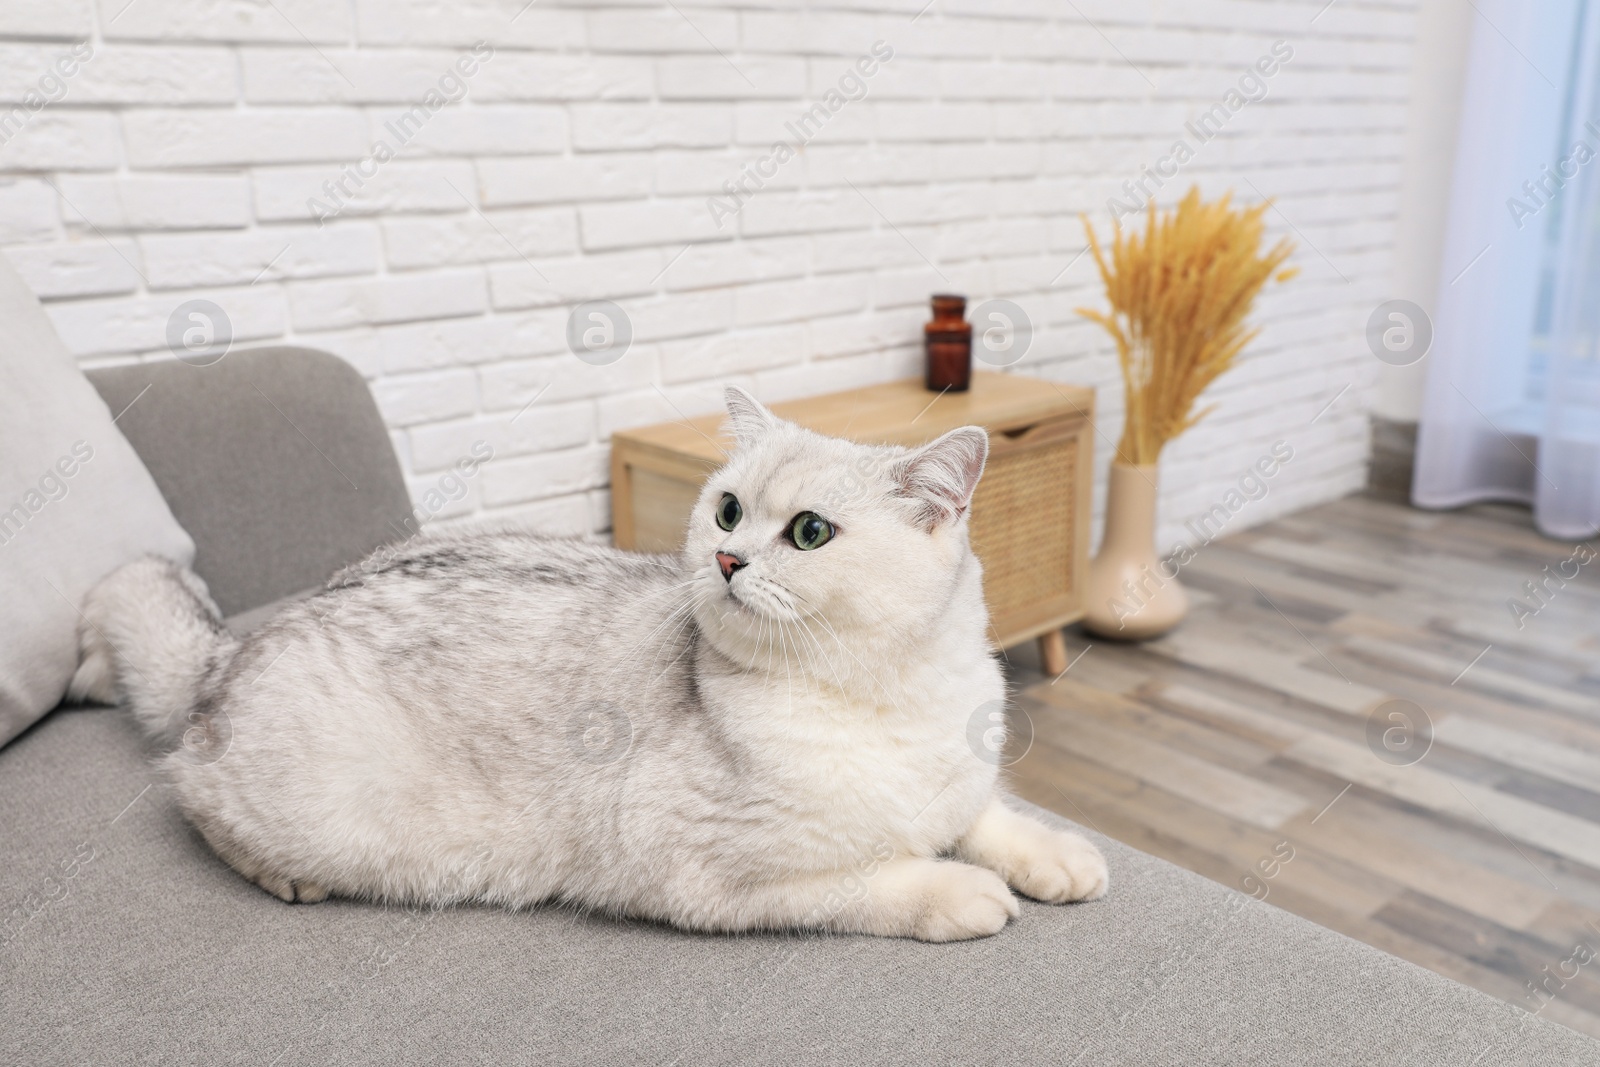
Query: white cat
point(768, 731)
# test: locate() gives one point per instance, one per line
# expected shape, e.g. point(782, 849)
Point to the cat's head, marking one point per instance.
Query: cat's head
point(802, 535)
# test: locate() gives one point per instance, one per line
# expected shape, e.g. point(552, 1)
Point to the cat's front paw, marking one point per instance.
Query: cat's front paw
point(961, 902)
point(1057, 867)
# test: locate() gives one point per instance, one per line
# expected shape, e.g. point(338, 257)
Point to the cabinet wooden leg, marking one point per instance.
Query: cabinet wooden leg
point(1053, 652)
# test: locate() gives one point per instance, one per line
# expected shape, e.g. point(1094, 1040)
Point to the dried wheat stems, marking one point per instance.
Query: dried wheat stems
point(1179, 296)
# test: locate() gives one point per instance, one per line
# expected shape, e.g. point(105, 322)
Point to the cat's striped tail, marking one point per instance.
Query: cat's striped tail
point(148, 635)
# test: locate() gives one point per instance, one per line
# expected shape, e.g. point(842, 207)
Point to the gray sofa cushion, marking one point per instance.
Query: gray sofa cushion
point(129, 942)
point(75, 503)
point(276, 461)
point(247, 621)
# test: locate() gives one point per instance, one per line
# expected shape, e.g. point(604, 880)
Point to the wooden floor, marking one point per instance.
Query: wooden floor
point(1248, 727)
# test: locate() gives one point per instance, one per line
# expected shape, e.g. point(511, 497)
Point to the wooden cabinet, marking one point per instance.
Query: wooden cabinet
point(1030, 515)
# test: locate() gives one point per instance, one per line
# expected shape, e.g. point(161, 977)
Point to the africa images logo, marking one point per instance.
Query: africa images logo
point(752, 177)
point(451, 88)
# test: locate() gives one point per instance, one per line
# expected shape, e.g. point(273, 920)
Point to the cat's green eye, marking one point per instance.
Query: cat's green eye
point(810, 530)
point(729, 512)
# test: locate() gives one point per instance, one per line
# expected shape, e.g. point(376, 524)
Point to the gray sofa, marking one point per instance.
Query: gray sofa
point(129, 942)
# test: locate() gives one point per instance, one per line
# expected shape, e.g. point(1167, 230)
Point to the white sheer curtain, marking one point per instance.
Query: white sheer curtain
point(1512, 407)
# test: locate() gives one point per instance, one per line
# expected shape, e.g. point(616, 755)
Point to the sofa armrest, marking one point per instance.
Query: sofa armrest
point(276, 461)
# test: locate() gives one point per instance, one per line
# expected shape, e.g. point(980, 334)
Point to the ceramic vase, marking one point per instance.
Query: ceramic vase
point(1132, 594)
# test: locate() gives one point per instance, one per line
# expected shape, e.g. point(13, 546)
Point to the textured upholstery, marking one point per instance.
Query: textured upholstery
point(128, 941)
point(276, 461)
point(155, 952)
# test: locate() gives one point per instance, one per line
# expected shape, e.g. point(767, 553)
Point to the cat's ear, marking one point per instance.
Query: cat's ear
point(941, 475)
point(748, 419)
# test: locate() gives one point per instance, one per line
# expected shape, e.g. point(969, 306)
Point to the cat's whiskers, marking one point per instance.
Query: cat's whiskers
point(838, 640)
point(773, 633)
point(900, 642)
point(663, 622)
point(812, 659)
point(788, 678)
point(787, 598)
point(893, 702)
point(769, 631)
point(677, 610)
point(822, 653)
point(674, 587)
point(686, 619)
point(780, 644)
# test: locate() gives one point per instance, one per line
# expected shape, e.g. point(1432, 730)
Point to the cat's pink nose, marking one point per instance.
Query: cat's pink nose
point(729, 563)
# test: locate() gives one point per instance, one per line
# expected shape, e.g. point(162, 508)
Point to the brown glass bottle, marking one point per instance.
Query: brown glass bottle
point(947, 340)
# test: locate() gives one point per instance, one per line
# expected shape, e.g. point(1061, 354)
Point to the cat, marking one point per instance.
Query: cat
point(767, 731)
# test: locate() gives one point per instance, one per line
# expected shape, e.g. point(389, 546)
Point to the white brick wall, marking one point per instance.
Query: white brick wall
point(179, 160)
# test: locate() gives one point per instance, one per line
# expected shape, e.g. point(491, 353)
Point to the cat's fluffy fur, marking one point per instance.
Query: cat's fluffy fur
point(513, 719)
